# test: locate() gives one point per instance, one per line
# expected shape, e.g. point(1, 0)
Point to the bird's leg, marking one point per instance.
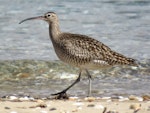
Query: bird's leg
point(62, 94)
point(90, 84)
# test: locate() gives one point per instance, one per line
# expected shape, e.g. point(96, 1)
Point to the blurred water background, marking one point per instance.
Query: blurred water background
point(29, 65)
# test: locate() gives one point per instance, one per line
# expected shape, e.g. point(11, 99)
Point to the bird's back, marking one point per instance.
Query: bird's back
point(85, 52)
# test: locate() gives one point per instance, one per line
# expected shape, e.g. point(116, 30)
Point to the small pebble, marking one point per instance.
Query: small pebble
point(112, 112)
point(90, 99)
point(106, 98)
point(13, 98)
point(146, 98)
point(123, 99)
point(32, 107)
point(135, 106)
point(7, 107)
point(120, 97)
point(42, 105)
point(31, 98)
point(43, 112)
point(40, 101)
point(90, 105)
point(133, 97)
point(117, 97)
point(78, 104)
point(73, 98)
point(24, 98)
point(75, 110)
point(52, 109)
point(134, 68)
point(140, 99)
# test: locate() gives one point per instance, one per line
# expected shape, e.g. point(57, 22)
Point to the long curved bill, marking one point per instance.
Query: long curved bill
point(32, 18)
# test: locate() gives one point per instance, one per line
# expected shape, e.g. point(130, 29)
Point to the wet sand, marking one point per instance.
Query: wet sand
point(75, 105)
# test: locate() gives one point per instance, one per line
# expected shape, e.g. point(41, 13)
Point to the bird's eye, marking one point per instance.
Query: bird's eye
point(48, 15)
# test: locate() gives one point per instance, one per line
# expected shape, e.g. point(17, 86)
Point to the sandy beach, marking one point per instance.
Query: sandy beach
point(75, 105)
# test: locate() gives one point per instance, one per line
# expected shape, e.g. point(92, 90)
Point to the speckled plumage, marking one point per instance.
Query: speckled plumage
point(81, 51)
point(87, 53)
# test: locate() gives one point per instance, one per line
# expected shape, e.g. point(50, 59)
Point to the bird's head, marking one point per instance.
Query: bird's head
point(49, 17)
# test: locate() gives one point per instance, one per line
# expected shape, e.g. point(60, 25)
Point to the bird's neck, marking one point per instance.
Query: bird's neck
point(54, 31)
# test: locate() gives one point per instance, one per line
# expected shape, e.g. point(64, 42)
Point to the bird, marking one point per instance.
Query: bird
point(81, 51)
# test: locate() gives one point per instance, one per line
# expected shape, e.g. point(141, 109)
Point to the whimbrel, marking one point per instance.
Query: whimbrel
point(80, 51)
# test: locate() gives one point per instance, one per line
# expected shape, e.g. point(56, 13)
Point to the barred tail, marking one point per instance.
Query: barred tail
point(121, 59)
point(132, 62)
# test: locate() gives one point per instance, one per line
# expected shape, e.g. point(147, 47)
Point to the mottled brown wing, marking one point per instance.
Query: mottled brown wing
point(84, 47)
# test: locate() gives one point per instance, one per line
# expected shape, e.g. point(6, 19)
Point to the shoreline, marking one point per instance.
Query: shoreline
point(119, 104)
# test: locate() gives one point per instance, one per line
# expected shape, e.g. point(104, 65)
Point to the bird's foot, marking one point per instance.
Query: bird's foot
point(60, 95)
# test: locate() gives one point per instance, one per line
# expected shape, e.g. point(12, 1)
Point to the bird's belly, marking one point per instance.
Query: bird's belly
point(94, 66)
point(81, 63)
